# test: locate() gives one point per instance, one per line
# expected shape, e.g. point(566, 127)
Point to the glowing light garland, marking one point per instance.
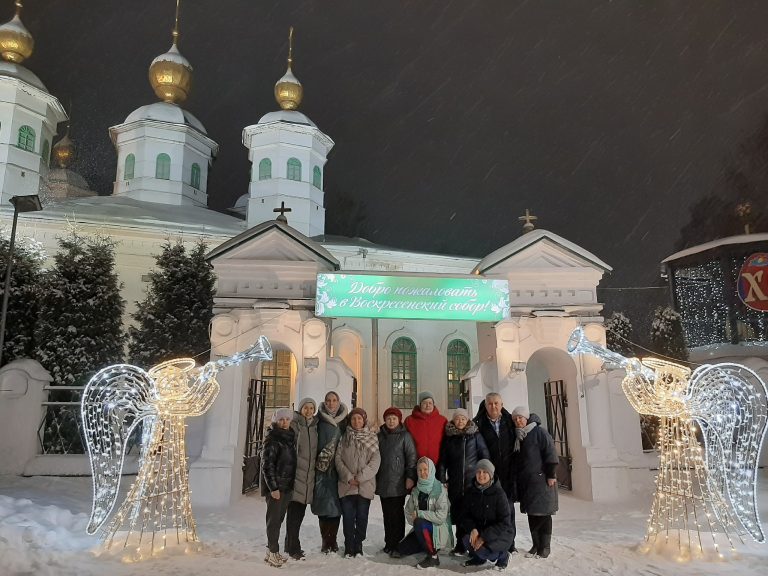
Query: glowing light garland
point(697, 490)
point(157, 508)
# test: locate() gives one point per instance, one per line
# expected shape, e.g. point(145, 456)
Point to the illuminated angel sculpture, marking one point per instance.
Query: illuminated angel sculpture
point(697, 490)
point(157, 511)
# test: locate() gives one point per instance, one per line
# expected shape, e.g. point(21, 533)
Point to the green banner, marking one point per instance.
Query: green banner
point(418, 297)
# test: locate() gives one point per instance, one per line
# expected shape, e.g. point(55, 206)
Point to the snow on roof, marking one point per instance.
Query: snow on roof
point(730, 240)
point(17, 71)
point(131, 213)
point(291, 116)
point(531, 238)
point(165, 112)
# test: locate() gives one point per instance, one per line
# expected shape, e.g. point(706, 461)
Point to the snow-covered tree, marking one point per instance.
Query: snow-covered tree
point(173, 319)
point(667, 336)
point(618, 334)
point(80, 328)
point(28, 258)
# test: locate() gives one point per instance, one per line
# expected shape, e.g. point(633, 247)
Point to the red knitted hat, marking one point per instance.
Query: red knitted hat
point(392, 411)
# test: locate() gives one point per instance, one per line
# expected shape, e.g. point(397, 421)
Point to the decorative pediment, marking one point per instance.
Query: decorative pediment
point(273, 241)
point(539, 250)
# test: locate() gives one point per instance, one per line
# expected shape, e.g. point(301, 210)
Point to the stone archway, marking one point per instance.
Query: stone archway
point(554, 365)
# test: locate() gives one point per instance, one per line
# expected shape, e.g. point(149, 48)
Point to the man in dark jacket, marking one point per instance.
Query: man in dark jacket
point(278, 473)
point(498, 431)
point(486, 522)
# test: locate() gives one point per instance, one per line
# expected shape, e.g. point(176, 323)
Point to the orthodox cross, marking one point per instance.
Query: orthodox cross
point(282, 211)
point(528, 220)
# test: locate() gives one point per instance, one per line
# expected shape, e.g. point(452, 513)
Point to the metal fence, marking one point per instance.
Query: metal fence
point(61, 427)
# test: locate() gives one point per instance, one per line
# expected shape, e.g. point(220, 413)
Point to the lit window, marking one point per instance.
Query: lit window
point(458, 365)
point(404, 373)
point(277, 375)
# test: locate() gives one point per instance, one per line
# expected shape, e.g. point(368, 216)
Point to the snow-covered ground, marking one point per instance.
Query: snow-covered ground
point(42, 533)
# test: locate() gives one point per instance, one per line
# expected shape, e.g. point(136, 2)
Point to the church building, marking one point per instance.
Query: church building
point(274, 263)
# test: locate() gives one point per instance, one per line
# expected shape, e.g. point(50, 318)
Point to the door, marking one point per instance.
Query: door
point(254, 435)
point(557, 402)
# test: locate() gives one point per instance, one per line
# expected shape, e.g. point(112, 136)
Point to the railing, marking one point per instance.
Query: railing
point(60, 430)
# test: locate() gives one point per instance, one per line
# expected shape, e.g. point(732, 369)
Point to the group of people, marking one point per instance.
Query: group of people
point(428, 472)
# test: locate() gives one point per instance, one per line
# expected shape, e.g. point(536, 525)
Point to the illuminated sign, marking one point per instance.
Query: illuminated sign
point(416, 297)
point(753, 282)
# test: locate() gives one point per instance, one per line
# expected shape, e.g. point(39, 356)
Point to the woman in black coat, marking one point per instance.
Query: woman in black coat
point(487, 527)
point(536, 469)
point(462, 448)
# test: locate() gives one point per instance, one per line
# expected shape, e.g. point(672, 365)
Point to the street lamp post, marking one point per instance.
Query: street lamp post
point(29, 203)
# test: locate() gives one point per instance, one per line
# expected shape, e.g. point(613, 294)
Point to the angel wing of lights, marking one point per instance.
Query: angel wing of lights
point(114, 401)
point(729, 403)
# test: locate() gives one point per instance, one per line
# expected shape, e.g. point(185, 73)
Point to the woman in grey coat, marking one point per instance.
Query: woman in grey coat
point(326, 505)
point(535, 464)
point(304, 425)
point(396, 476)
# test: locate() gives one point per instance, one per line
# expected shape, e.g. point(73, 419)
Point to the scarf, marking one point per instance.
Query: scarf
point(521, 433)
point(427, 485)
point(468, 430)
point(364, 439)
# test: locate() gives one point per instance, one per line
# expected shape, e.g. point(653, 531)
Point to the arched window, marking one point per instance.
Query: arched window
point(265, 169)
point(404, 373)
point(317, 178)
point(277, 374)
point(294, 169)
point(130, 166)
point(163, 167)
point(26, 139)
point(46, 151)
point(195, 178)
point(458, 365)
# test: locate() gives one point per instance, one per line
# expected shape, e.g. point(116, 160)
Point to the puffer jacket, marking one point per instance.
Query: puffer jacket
point(459, 455)
point(352, 461)
point(325, 501)
point(436, 512)
point(487, 511)
point(278, 460)
point(536, 461)
point(398, 461)
point(306, 456)
point(427, 431)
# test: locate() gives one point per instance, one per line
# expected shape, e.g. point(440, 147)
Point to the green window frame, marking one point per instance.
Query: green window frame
point(294, 169)
point(317, 178)
point(26, 139)
point(458, 359)
point(277, 375)
point(130, 167)
point(265, 169)
point(163, 167)
point(404, 379)
point(46, 151)
point(195, 176)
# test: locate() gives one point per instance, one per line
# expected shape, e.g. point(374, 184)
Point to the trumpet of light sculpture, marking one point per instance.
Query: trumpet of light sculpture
point(157, 510)
point(711, 489)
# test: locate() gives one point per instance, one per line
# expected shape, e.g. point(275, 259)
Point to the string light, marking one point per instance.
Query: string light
point(157, 510)
point(697, 490)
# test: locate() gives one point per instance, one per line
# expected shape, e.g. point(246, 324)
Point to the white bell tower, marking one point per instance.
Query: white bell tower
point(288, 154)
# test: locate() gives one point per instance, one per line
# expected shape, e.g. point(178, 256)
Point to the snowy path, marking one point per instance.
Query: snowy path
point(42, 533)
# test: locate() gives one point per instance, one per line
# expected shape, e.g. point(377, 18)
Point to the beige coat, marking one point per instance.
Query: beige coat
point(351, 462)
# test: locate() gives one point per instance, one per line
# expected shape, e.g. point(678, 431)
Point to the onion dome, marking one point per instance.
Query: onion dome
point(64, 152)
point(16, 43)
point(170, 74)
point(288, 90)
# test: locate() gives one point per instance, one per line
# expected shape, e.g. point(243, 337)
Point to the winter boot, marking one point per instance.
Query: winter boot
point(544, 543)
point(273, 559)
point(324, 548)
point(534, 524)
point(333, 530)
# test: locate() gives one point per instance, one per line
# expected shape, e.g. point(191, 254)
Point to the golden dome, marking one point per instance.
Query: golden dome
point(170, 75)
point(288, 90)
point(16, 43)
point(64, 152)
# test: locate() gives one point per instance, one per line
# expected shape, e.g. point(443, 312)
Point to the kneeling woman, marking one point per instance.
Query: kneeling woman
point(427, 510)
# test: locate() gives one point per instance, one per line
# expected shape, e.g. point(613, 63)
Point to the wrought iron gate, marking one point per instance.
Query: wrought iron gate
point(254, 435)
point(557, 402)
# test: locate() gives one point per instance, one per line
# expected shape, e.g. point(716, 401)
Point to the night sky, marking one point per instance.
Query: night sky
point(606, 119)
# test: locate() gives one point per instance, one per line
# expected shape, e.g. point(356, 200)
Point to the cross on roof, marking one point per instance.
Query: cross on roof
point(282, 210)
point(528, 220)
